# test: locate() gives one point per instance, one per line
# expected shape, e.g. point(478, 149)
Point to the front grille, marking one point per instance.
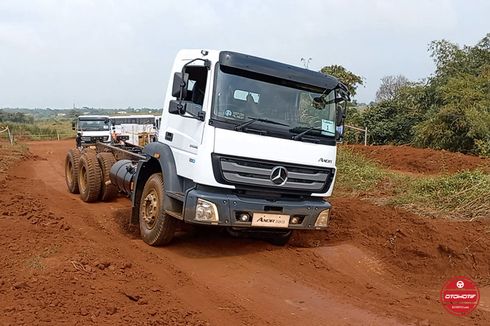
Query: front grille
point(250, 172)
point(99, 138)
point(94, 139)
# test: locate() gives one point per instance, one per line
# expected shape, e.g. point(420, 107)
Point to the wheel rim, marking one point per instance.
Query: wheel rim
point(150, 209)
point(82, 180)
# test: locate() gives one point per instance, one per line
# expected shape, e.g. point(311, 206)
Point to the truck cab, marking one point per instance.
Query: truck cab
point(253, 141)
point(92, 129)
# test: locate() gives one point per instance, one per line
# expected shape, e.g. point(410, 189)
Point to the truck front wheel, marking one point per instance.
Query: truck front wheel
point(156, 227)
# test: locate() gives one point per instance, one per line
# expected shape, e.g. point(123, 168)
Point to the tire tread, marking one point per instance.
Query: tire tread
point(94, 176)
point(73, 157)
point(108, 191)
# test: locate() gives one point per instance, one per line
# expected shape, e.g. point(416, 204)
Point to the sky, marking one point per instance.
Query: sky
point(118, 54)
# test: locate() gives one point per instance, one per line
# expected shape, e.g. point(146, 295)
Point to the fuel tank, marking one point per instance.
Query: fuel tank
point(122, 175)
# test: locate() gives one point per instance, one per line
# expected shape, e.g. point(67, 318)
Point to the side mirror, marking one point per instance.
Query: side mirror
point(179, 86)
point(177, 107)
point(73, 125)
point(339, 121)
point(340, 116)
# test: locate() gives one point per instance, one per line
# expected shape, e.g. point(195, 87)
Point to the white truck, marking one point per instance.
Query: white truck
point(245, 143)
point(92, 129)
point(135, 129)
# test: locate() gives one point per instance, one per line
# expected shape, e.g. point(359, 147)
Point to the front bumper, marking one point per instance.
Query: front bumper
point(231, 205)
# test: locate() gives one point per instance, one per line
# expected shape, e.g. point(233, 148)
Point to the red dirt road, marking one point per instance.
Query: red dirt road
point(63, 261)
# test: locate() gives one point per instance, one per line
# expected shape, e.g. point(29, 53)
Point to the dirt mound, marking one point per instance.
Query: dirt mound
point(421, 160)
point(8, 156)
point(27, 207)
point(422, 249)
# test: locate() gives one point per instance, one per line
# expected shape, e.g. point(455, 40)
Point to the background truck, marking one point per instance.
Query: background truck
point(135, 129)
point(244, 143)
point(92, 129)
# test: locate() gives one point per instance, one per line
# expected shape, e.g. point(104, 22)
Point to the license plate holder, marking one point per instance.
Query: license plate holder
point(270, 220)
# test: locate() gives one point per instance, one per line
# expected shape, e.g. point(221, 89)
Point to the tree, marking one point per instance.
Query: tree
point(393, 121)
point(460, 90)
point(390, 86)
point(351, 80)
point(450, 110)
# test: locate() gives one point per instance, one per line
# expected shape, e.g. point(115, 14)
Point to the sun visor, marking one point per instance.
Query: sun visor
point(278, 70)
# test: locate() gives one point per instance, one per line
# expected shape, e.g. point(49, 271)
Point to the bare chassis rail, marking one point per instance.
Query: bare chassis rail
point(128, 152)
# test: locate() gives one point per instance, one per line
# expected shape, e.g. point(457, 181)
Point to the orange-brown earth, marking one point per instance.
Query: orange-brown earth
point(63, 261)
point(421, 160)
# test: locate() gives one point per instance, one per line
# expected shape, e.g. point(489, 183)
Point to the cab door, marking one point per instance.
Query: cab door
point(185, 133)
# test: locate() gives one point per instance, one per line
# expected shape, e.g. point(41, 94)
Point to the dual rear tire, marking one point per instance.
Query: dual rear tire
point(87, 173)
point(72, 161)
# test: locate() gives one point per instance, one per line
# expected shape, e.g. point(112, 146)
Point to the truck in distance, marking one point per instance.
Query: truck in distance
point(245, 143)
point(92, 129)
point(135, 129)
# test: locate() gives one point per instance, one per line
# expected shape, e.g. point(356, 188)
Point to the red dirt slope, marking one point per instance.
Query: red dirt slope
point(421, 160)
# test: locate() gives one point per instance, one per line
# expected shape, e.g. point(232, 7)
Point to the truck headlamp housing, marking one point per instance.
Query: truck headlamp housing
point(206, 212)
point(86, 138)
point(322, 219)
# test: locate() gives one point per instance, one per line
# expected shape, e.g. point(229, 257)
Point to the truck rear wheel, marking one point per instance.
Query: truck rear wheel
point(156, 227)
point(72, 161)
point(89, 177)
point(108, 191)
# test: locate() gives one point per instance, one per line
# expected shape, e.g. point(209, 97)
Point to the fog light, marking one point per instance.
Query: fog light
point(206, 211)
point(322, 219)
point(244, 217)
point(294, 220)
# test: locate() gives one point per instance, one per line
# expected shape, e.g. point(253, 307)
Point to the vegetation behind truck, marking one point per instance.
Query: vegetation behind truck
point(244, 143)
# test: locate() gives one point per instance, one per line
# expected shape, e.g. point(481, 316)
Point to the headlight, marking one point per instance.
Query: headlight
point(86, 138)
point(206, 211)
point(322, 219)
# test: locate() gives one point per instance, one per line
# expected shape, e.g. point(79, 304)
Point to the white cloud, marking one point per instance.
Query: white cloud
point(118, 53)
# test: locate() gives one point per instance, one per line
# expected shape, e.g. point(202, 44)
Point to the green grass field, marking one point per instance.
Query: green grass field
point(464, 195)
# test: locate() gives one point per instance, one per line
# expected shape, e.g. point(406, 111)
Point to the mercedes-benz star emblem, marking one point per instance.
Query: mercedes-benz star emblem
point(279, 175)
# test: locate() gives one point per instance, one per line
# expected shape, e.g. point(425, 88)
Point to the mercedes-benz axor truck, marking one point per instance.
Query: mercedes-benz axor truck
point(245, 143)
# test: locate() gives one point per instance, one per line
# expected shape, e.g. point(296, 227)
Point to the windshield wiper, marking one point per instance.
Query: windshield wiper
point(301, 134)
point(253, 119)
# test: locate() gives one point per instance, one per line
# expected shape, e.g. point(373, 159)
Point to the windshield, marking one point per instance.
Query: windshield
point(240, 99)
point(93, 125)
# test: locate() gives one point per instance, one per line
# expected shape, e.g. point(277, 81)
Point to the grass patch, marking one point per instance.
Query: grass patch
point(463, 195)
point(41, 130)
point(356, 173)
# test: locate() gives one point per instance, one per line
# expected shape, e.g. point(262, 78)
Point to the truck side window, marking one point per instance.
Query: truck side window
point(197, 84)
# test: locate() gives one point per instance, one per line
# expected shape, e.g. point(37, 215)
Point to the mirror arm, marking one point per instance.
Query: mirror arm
point(207, 64)
point(199, 116)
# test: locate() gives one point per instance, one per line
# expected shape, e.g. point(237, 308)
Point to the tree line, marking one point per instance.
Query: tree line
point(448, 110)
point(16, 117)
